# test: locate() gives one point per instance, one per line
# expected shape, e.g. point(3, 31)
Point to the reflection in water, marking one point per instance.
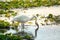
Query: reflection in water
point(47, 32)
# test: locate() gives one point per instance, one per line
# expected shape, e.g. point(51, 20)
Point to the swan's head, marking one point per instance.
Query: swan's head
point(35, 17)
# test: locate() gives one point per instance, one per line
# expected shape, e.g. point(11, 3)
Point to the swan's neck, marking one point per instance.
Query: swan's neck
point(33, 17)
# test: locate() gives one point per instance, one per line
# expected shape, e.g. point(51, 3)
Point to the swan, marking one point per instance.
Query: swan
point(23, 19)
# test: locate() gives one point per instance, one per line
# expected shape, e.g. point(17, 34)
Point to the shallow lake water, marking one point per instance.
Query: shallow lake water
point(55, 10)
point(47, 32)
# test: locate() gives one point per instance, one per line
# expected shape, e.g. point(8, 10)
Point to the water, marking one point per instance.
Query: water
point(47, 32)
point(39, 10)
point(42, 11)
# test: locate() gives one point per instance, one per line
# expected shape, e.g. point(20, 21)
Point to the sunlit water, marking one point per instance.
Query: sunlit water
point(39, 10)
point(47, 32)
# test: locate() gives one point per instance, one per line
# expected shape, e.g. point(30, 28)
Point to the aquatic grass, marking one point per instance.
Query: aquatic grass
point(26, 4)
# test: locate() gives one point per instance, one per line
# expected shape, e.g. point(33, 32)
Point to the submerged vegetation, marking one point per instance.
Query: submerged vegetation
point(7, 13)
point(9, 37)
point(15, 37)
point(27, 3)
point(4, 24)
point(57, 19)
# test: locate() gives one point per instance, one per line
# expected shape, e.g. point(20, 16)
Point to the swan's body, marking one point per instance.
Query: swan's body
point(21, 19)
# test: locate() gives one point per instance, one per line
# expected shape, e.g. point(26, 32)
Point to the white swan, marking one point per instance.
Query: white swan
point(22, 19)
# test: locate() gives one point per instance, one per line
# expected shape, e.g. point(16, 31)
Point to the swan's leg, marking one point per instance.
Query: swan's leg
point(22, 25)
